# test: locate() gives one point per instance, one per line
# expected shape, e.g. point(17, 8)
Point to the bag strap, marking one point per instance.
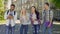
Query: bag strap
point(7, 12)
point(14, 12)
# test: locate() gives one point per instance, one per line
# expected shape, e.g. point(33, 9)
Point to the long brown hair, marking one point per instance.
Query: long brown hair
point(36, 12)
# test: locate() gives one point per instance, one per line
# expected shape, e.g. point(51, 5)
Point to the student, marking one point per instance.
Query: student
point(47, 16)
point(35, 20)
point(25, 21)
point(10, 17)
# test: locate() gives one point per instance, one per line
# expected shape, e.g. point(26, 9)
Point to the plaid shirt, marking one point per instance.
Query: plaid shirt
point(47, 15)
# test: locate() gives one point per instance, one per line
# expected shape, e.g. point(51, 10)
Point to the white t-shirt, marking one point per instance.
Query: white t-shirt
point(34, 17)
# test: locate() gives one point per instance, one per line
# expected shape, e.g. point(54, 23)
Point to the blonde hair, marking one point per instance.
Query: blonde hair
point(21, 14)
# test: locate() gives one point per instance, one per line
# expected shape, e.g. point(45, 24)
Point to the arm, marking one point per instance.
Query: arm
point(5, 15)
point(31, 19)
point(42, 16)
point(20, 19)
point(15, 16)
point(51, 17)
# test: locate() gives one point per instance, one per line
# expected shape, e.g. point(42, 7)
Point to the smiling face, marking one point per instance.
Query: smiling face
point(33, 9)
point(46, 6)
point(12, 7)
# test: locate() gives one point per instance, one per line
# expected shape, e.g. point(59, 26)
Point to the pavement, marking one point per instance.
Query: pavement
point(56, 28)
point(18, 22)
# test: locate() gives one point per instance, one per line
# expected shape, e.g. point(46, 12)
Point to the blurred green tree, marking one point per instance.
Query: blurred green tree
point(1, 9)
point(56, 3)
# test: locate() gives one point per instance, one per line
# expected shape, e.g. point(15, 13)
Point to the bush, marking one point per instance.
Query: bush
point(56, 3)
point(1, 10)
point(2, 14)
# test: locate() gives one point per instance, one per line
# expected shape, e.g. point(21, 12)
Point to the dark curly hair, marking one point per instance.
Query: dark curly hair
point(12, 5)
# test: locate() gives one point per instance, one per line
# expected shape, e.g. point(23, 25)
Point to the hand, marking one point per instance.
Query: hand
point(33, 20)
point(49, 25)
point(10, 17)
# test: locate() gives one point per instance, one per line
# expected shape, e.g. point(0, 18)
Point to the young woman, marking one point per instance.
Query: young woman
point(35, 20)
point(24, 18)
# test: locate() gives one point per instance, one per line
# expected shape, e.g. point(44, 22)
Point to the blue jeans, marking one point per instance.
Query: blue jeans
point(44, 29)
point(23, 29)
point(10, 30)
point(36, 29)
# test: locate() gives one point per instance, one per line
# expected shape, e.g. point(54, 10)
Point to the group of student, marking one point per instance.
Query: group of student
point(32, 18)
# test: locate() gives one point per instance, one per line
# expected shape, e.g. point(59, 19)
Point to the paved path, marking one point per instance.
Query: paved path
point(56, 29)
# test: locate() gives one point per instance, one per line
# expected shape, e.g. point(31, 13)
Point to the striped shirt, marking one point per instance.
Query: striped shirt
point(47, 15)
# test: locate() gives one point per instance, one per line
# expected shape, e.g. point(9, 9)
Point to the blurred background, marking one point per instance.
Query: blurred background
point(39, 4)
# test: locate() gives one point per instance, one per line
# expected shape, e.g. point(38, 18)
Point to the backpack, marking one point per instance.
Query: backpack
point(8, 12)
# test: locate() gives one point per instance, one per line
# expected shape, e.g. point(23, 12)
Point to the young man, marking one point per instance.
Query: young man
point(47, 16)
point(10, 16)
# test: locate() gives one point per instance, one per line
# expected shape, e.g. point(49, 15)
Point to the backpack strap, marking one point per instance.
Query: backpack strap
point(14, 12)
point(7, 12)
